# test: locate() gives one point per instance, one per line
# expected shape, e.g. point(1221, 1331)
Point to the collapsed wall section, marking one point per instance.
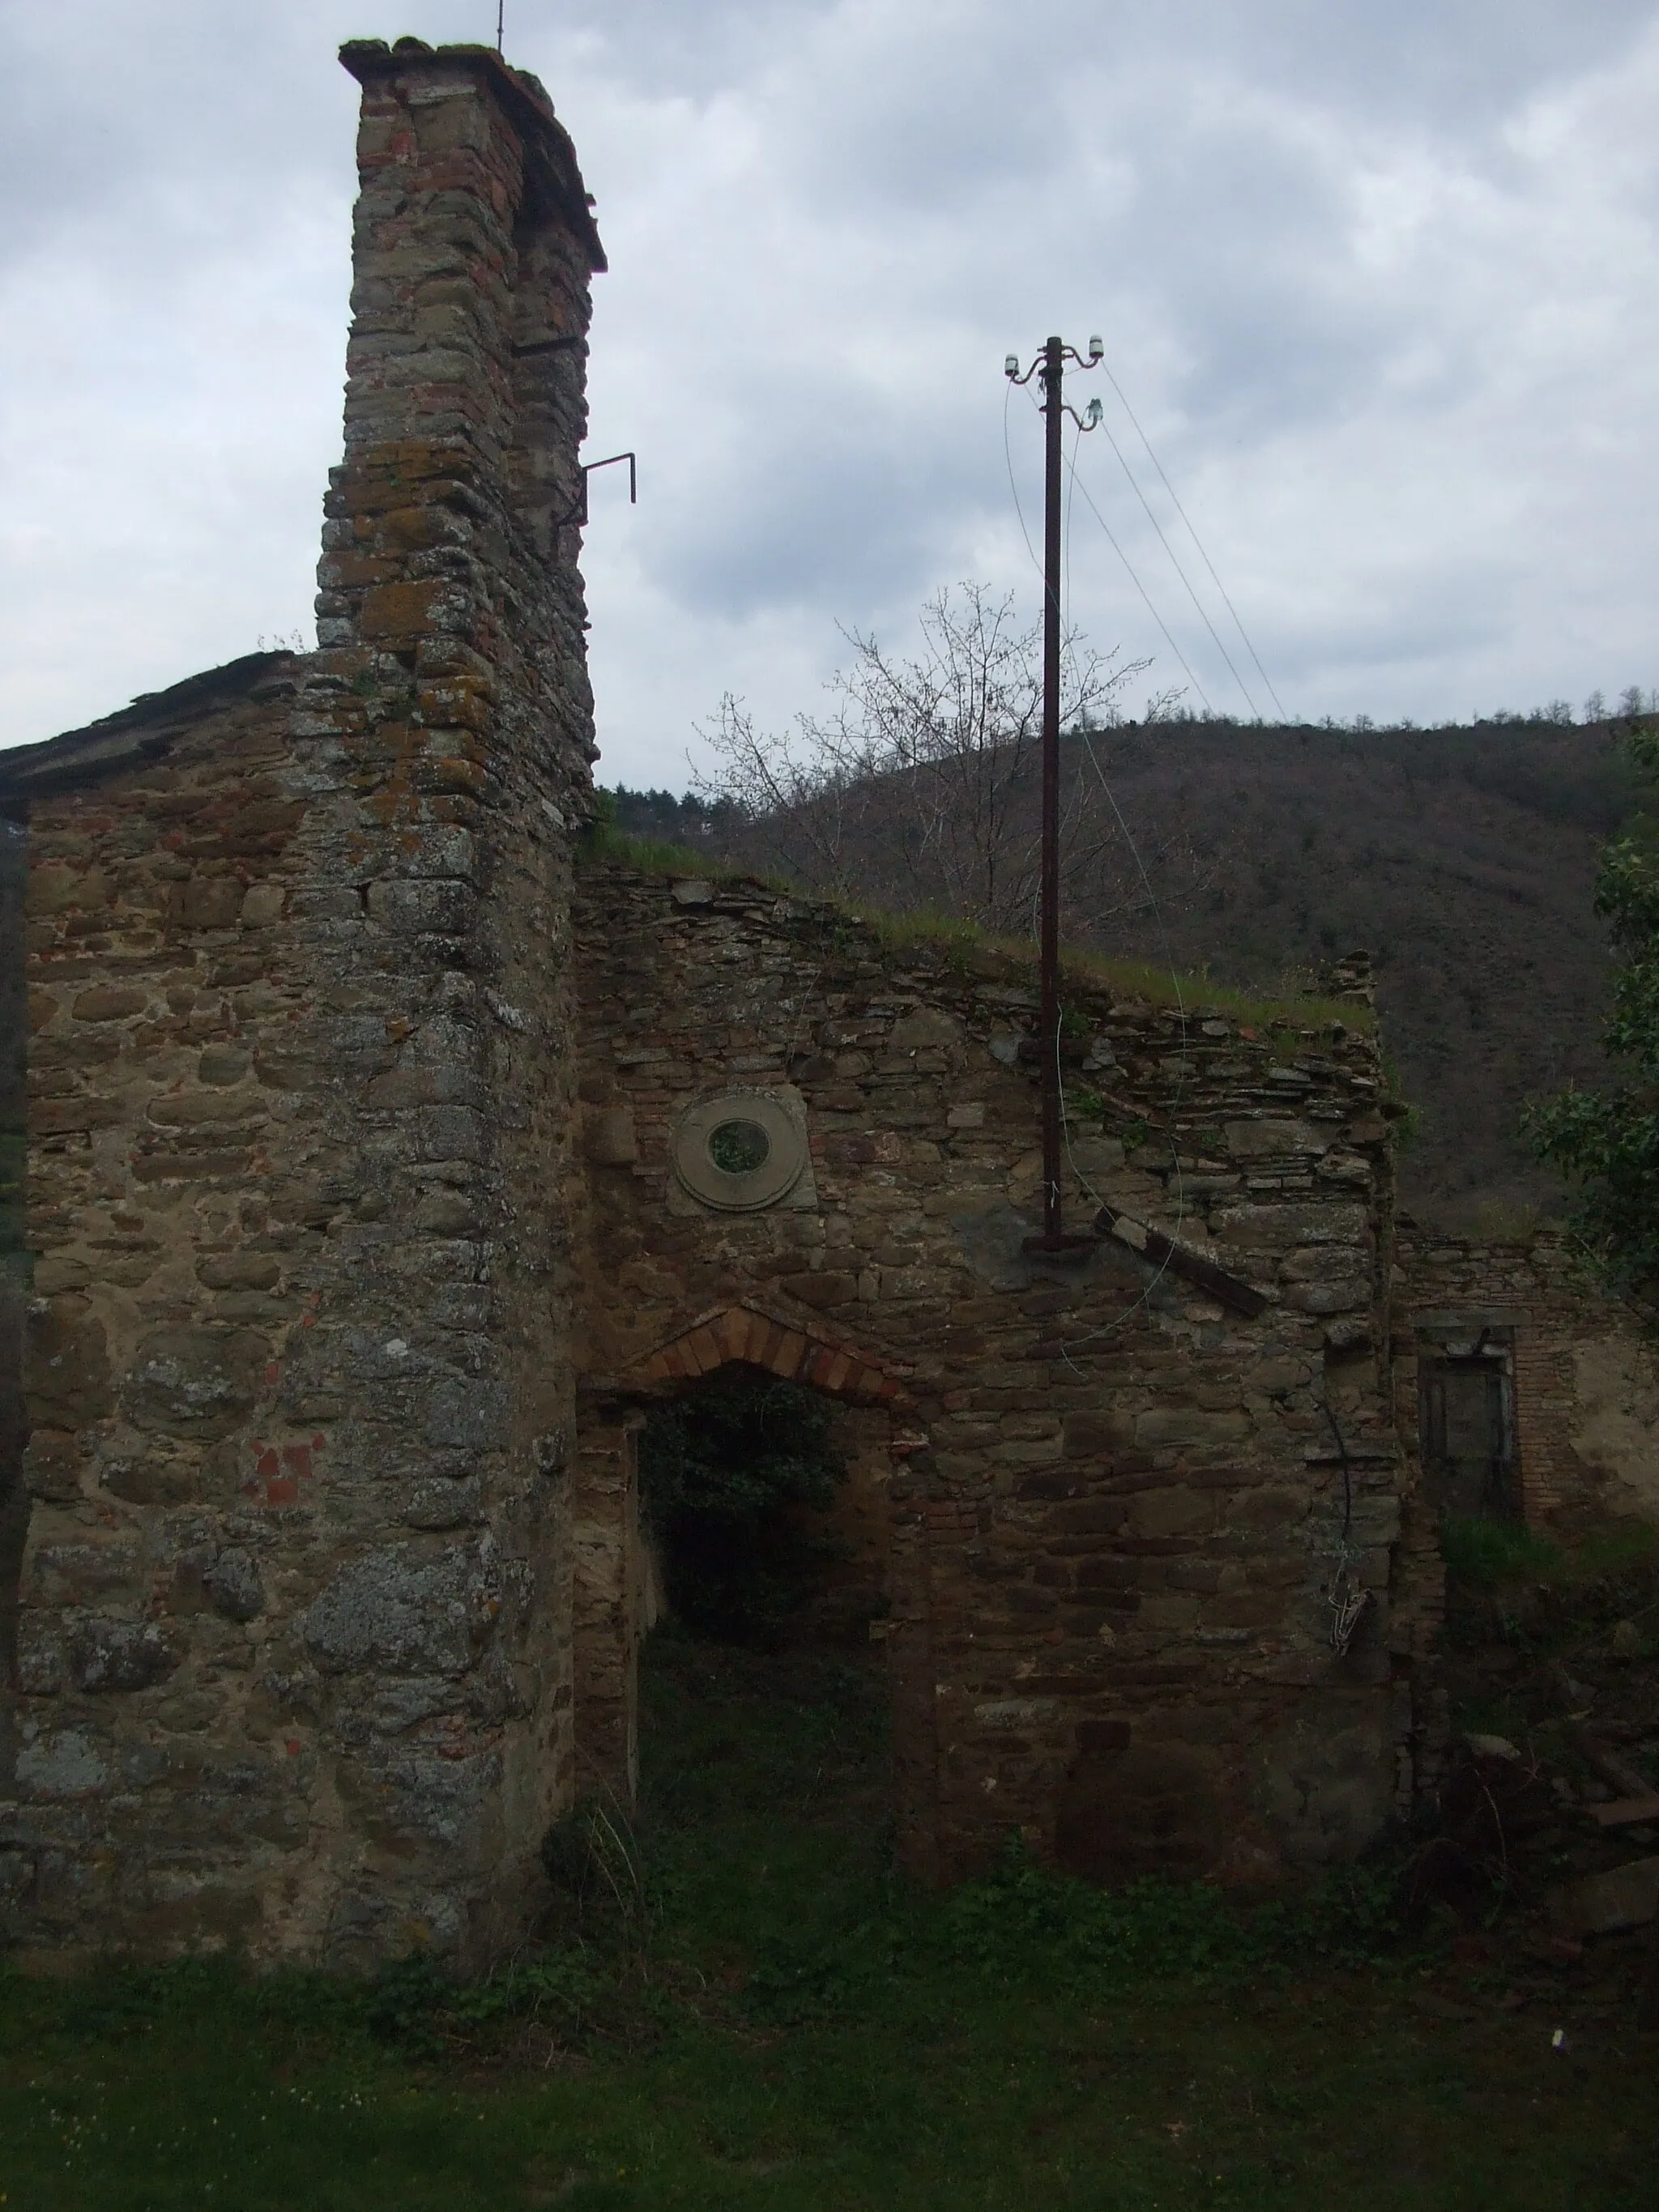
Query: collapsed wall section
point(1569, 1411)
point(1124, 1482)
point(294, 1606)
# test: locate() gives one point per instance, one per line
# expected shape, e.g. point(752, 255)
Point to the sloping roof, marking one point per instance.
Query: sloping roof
point(138, 733)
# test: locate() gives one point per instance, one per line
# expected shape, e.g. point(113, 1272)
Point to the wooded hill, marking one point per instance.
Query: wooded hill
point(1462, 859)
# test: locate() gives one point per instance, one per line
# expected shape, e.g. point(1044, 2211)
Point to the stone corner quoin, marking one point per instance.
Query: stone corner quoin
point(360, 1248)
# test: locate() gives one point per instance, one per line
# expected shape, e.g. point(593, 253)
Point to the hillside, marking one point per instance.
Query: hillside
point(1462, 859)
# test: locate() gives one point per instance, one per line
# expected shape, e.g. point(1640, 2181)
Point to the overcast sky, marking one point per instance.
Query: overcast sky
point(1380, 284)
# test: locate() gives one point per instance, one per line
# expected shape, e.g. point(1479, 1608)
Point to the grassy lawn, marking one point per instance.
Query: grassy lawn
point(768, 2018)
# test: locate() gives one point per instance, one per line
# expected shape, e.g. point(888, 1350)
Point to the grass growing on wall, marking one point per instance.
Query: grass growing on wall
point(787, 2026)
point(960, 945)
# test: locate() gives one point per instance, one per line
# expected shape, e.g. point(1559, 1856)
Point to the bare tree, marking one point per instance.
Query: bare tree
point(921, 786)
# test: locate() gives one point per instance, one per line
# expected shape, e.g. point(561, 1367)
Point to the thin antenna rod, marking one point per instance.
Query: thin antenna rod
point(500, 22)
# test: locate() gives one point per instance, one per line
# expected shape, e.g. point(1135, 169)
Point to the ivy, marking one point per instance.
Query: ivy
point(1607, 1140)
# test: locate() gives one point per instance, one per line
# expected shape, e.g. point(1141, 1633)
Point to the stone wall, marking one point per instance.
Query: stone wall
point(295, 1663)
point(1584, 1375)
point(375, 1191)
point(1120, 1484)
point(14, 1258)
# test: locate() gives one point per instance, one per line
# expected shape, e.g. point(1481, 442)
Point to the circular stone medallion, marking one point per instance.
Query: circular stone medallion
point(740, 1151)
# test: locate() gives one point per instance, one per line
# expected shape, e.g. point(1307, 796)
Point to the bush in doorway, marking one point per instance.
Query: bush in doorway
point(724, 1473)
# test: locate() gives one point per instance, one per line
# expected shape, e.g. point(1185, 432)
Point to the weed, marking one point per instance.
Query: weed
point(1486, 1551)
point(855, 927)
point(1617, 1549)
point(818, 2034)
point(1406, 1129)
point(402, 2004)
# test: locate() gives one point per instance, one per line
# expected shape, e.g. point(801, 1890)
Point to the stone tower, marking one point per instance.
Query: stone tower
point(292, 1620)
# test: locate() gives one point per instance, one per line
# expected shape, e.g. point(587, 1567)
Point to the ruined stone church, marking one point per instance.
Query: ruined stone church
point(389, 1155)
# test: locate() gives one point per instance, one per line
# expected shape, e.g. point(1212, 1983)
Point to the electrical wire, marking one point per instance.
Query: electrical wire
point(1192, 532)
point(1185, 581)
point(1168, 634)
point(1120, 1320)
point(1065, 533)
point(1083, 736)
point(1075, 485)
point(1346, 1603)
point(1019, 512)
point(1019, 516)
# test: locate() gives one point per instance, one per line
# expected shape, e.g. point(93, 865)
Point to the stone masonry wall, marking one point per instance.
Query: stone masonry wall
point(14, 1259)
point(1585, 1378)
point(1116, 1501)
point(295, 1603)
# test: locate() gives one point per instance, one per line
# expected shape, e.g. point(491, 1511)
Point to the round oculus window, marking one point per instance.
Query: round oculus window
point(739, 1153)
point(739, 1147)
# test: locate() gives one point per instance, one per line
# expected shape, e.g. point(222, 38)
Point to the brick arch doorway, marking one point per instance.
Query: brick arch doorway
point(616, 1597)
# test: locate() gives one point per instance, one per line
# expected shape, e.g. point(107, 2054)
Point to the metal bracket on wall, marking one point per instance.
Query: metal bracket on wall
point(1164, 1252)
point(578, 514)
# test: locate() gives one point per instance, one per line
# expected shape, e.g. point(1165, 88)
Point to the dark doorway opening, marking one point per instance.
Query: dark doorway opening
point(1467, 1404)
point(753, 1506)
point(765, 1770)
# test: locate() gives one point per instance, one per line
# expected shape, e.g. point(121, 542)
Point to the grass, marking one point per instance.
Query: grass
point(1546, 1601)
point(1611, 1565)
point(661, 856)
point(1483, 1552)
point(1299, 1016)
point(798, 2030)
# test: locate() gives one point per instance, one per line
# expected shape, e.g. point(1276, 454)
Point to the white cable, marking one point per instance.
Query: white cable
point(1118, 1321)
point(1078, 484)
point(1064, 1120)
point(1181, 572)
point(1197, 541)
point(1141, 588)
point(1019, 512)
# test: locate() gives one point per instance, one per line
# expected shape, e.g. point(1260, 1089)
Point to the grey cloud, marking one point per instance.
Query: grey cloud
point(1462, 64)
point(1417, 441)
point(840, 494)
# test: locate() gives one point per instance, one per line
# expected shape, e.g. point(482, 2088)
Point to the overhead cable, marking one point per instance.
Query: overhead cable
point(1121, 1320)
point(1185, 581)
point(1192, 532)
point(1008, 456)
point(1129, 565)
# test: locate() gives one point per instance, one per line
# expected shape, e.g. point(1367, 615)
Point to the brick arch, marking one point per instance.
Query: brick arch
point(614, 1581)
point(749, 1333)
